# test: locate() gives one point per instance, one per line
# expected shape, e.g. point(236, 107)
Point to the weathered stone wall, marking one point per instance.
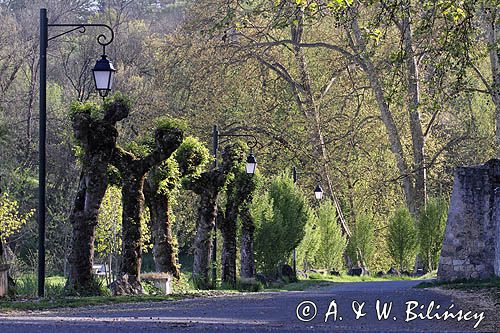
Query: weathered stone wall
point(471, 246)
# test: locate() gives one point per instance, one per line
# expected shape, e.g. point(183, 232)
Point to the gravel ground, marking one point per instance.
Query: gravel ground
point(265, 312)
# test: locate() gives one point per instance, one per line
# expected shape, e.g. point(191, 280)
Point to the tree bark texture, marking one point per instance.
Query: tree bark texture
point(133, 170)
point(239, 193)
point(413, 101)
point(247, 269)
point(164, 249)
point(208, 186)
point(98, 140)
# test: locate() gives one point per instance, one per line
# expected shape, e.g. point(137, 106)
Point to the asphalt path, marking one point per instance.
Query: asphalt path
point(344, 307)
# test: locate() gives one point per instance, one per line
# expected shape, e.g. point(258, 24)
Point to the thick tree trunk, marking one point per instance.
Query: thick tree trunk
point(133, 205)
point(247, 240)
point(164, 251)
point(98, 139)
point(82, 244)
point(207, 214)
point(228, 230)
point(133, 171)
point(208, 186)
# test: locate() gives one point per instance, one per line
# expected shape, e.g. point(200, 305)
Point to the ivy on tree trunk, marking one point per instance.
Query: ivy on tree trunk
point(164, 248)
point(239, 193)
point(208, 187)
point(133, 169)
point(97, 138)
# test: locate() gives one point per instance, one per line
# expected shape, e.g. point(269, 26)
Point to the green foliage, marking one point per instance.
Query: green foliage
point(166, 123)
point(402, 239)
point(167, 176)
point(361, 245)
point(109, 226)
point(192, 156)
point(430, 228)
point(117, 98)
point(86, 108)
point(11, 220)
point(307, 251)
point(141, 147)
point(281, 216)
point(331, 241)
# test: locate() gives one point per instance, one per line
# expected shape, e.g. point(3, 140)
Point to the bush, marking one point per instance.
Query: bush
point(281, 216)
point(361, 244)
point(331, 241)
point(402, 239)
point(430, 227)
point(308, 248)
point(250, 285)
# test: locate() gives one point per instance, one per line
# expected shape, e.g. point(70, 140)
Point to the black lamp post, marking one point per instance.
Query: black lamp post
point(318, 194)
point(103, 77)
point(250, 167)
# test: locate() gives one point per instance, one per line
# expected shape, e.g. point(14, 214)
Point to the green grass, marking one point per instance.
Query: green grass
point(73, 302)
point(317, 280)
point(492, 285)
point(26, 291)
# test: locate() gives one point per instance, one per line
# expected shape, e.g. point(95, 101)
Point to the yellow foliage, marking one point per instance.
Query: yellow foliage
point(11, 220)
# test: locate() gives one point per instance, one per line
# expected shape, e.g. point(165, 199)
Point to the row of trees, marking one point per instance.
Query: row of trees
point(342, 86)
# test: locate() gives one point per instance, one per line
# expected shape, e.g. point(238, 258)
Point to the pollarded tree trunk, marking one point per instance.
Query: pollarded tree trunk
point(97, 138)
point(207, 214)
point(164, 250)
point(247, 269)
point(239, 195)
point(228, 228)
point(208, 186)
point(161, 187)
point(133, 170)
point(133, 206)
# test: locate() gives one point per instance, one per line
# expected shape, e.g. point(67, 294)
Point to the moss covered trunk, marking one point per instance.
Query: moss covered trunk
point(164, 250)
point(246, 248)
point(97, 138)
point(133, 205)
point(208, 186)
point(228, 229)
point(207, 214)
point(133, 170)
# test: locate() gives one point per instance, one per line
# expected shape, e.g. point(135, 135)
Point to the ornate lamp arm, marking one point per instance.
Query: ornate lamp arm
point(82, 28)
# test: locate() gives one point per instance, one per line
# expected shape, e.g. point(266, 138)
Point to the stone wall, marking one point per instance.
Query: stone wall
point(471, 246)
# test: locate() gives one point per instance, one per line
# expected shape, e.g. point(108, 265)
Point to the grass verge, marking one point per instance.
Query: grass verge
point(73, 302)
point(492, 285)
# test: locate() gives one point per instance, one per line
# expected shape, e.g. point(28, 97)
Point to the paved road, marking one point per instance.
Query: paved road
point(258, 312)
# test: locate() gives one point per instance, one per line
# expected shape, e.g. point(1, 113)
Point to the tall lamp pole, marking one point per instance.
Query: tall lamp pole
point(103, 77)
point(251, 164)
point(318, 194)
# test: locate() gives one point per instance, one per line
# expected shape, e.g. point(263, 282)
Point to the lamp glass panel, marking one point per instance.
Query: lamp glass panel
point(250, 167)
point(103, 80)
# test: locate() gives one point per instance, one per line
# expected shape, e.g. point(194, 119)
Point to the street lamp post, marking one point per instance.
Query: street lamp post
point(250, 167)
point(103, 77)
point(318, 194)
